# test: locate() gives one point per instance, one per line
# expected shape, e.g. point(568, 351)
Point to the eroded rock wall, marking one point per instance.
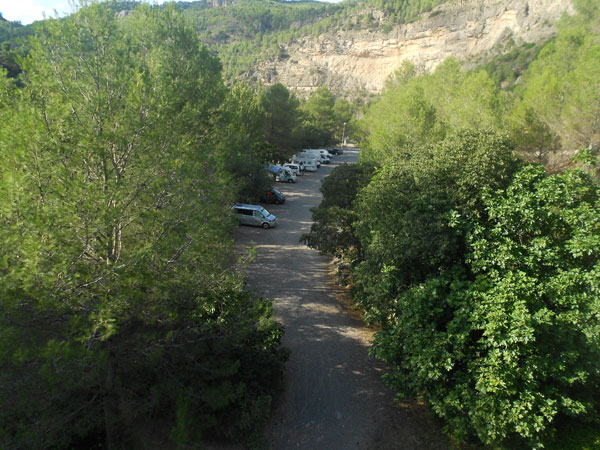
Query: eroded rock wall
point(349, 61)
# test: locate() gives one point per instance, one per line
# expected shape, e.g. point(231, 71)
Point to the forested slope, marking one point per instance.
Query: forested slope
point(123, 314)
point(250, 32)
point(247, 32)
point(121, 150)
point(480, 267)
point(351, 47)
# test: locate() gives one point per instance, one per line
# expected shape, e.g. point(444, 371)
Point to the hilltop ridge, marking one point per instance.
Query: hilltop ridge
point(351, 47)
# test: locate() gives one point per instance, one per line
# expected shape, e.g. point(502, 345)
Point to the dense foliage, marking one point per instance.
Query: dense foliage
point(480, 271)
point(561, 86)
point(121, 310)
point(403, 216)
point(12, 35)
point(483, 278)
point(333, 229)
point(506, 342)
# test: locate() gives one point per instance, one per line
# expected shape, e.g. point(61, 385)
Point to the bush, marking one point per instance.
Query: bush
point(508, 344)
point(404, 216)
point(332, 232)
point(201, 376)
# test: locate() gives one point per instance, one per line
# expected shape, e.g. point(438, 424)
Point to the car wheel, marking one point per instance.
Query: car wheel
point(265, 225)
point(277, 202)
point(290, 181)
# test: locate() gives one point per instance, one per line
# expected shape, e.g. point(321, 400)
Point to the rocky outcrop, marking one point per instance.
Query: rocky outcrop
point(349, 61)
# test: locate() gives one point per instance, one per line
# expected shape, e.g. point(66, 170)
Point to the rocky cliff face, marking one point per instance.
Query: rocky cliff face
point(347, 61)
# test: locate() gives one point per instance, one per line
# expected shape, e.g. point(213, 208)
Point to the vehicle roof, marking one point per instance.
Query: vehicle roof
point(244, 205)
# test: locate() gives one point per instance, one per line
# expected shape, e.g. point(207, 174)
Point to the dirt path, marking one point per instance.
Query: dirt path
point(334, 397)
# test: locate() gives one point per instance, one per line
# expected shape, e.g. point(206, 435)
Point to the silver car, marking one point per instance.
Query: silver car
point(255, 215)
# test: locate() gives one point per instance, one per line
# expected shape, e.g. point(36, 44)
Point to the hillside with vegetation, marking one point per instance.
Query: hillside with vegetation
point(351, 47)
point(11, 35)
point(124, 317)
point(247, 32)
point(469, 233)
point(480, 268)
point(250, 32)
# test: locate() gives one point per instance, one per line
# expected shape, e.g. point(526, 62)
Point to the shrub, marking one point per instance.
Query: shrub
point(508, 344)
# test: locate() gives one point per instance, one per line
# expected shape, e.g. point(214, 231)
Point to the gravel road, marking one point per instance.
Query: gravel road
point(334, 397)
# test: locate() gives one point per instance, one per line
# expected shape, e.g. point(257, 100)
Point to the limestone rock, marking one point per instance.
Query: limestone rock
point(348, 61)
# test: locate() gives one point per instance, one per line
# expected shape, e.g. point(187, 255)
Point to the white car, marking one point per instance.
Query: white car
point(295, 168)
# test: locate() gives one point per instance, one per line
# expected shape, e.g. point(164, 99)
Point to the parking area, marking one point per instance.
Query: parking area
point(334, 397)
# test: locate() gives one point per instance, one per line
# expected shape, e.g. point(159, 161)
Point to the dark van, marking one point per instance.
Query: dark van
point(273, 196)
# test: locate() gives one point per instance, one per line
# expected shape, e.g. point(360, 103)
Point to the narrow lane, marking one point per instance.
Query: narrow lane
point(334, 397)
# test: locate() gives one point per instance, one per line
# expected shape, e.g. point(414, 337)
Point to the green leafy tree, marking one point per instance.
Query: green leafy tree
point(319, 118)
point(401, 119)
point(405, 214)
point(282, 113)
point(506, 347)
point(534, 139)
point(343, 112)
point(561, 85)
point(414, 110)
point(333, 232)
point(118, 302)
point(241, 141)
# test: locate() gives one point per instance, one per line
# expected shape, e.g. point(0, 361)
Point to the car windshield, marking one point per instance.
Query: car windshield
point(276, 192)
point(265, 212)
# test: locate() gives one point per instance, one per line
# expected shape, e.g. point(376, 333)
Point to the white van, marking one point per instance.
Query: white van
point(285, 175)
point(295, 168)
point(322, 157)
point(321, 151)
point(308, 162)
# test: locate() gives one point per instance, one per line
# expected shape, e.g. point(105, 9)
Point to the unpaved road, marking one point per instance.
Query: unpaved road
point(333, 396)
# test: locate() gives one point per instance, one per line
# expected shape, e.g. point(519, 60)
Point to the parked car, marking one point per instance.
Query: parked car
point(254, 215)
point(295, 168)
point(319, 151)
point(337, 151)
point(285, 175)
point(273, 196)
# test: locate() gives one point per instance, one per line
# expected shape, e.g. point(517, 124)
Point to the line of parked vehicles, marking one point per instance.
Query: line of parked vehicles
point(308, 160)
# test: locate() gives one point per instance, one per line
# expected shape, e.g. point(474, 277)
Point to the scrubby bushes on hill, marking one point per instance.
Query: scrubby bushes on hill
point(505, 343)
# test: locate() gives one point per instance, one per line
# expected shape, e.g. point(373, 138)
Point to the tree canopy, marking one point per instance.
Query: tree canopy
point(481, 271)
point(120, 298)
